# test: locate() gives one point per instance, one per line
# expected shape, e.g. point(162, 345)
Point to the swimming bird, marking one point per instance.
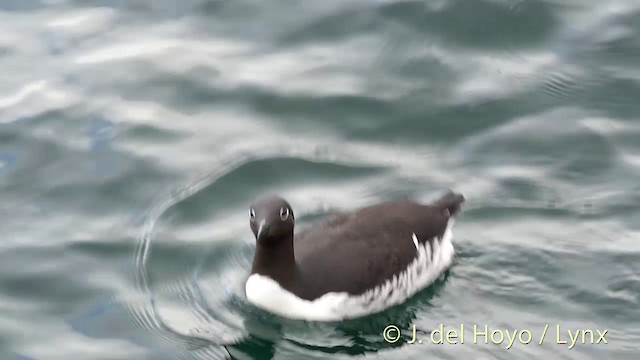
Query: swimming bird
point(349, 265)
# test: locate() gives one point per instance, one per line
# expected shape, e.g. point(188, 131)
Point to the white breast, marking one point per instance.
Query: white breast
point(267, 294)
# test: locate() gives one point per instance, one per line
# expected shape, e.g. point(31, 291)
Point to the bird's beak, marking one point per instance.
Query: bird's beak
point(262, 229)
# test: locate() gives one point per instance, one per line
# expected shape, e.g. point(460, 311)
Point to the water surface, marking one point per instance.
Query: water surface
point(134, 135)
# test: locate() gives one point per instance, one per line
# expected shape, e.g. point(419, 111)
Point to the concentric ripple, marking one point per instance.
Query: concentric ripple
point(206, 301)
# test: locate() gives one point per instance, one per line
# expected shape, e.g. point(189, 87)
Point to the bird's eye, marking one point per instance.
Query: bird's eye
point(252, 214)
point(284, 213)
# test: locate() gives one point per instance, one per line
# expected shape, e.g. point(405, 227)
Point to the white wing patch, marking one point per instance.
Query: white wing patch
point(429, 264)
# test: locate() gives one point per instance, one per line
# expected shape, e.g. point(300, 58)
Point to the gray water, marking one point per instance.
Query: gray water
point(135, 134)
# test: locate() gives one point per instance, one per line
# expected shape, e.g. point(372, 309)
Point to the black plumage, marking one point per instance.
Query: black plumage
point(351, 252)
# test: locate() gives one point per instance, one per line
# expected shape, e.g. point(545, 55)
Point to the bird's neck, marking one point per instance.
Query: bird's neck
point(277, 262)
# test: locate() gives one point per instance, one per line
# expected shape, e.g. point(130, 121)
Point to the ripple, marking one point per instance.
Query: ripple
point(560, 85)
point(548, 281)
point(168, 311)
